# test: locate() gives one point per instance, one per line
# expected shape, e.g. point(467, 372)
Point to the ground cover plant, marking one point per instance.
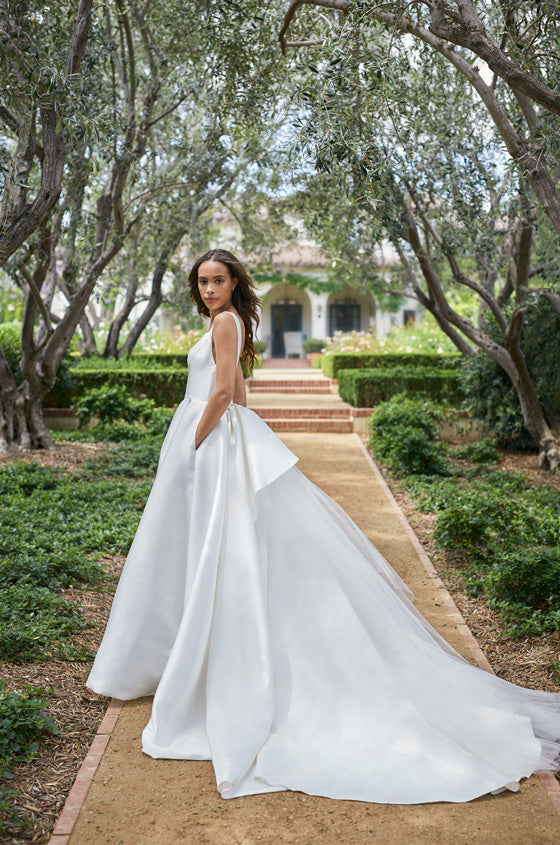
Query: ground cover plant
point(501, 534)
point(24, 725)
point(61, 532)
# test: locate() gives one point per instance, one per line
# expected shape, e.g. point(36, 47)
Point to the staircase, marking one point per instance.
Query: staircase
point(300, 400)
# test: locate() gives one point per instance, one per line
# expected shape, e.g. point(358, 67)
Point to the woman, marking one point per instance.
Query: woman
point(276, 640)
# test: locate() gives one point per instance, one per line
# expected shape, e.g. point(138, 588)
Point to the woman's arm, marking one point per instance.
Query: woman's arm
point(224, 335)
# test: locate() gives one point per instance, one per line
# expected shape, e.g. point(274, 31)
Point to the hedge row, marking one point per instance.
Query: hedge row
point(331, 363)
point(366, 388)
point(166, 386)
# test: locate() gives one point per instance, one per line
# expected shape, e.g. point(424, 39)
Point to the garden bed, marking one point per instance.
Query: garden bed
point(531, 661)
point(44, 783)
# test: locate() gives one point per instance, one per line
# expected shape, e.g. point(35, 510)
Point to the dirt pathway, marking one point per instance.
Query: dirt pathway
point(135, 800)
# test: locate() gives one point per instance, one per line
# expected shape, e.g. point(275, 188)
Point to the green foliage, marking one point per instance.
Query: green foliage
point(35, 624)
point(24, 724)
point(490, 395)
point(313, 344)
point(10, 344)
point(110, 403)
point(24, 478)
point(403, 435)
point(524, 585)
point(530, 577)
point(480, 452)
point(366, 388)
point(507, 535)
point(487, 518)
point(137, 361)
point(331, 363)
point(133, 459)
point(165, 386)
point(304, 281)
point(55, 527)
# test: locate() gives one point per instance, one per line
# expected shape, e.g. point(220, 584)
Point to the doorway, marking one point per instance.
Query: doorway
point(284, 317)
point(344, 317)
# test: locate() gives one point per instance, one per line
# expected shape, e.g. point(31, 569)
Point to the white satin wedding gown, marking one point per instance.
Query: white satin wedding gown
point(279, 644)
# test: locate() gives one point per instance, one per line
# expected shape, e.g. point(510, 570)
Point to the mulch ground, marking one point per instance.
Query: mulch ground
point(44, 784)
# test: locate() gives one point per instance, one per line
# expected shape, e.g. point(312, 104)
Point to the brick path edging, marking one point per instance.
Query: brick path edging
point(547, 778)
point(77, 795)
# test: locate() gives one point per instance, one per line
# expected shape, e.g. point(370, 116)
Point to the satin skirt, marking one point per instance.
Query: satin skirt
point(279, 644)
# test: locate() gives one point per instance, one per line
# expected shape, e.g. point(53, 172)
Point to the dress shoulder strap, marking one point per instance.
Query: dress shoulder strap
point(239, 332)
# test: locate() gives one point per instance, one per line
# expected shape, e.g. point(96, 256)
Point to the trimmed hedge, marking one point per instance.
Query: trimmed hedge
point(331, 362)
point(366, 388)
point(175, 359)
point(165, 386)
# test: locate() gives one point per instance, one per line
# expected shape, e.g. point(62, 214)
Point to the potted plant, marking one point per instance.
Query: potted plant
point(313, 346)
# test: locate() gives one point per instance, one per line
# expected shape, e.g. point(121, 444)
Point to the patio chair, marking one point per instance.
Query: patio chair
point(293, 344)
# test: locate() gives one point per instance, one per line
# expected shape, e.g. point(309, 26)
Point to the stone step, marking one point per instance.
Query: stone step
point(311, 424)
point(279, 383)
point(291, 389)
point(344, 412)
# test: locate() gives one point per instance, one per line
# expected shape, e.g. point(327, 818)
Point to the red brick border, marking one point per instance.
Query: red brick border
point(77, 795)
point(550, 783)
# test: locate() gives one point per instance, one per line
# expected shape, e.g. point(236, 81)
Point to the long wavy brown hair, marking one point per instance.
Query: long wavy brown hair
point(244, 298)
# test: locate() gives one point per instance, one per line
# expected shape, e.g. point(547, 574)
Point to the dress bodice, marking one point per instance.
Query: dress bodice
point(202, 367)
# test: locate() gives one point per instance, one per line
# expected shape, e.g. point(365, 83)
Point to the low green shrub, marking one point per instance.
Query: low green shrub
point(521, 621)
point(365, 388)
point(24, 478)
point(505, 534)
point(485, 520)
point(166, 387)
point(313, 344)
point(112, 402)
point(24, 725)
point(36, 624)
point(528, 576)
point(403, 435)
point(331, 363)
point(483, 451)
point(137, 361)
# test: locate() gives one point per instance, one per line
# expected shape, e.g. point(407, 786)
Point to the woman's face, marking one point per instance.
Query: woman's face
point(215, 285)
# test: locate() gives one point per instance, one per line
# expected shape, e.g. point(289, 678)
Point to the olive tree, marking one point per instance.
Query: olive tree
point(410, 154)
point(167, 112)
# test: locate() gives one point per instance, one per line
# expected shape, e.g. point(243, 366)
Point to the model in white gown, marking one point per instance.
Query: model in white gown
point(278, 643)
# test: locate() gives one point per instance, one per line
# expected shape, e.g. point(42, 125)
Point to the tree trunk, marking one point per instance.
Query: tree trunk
point(509, 357)
point(156, 296)
point(19, 223)
point(21, 414)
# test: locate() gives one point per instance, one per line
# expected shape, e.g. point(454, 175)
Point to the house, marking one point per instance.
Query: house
point(294, 303)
